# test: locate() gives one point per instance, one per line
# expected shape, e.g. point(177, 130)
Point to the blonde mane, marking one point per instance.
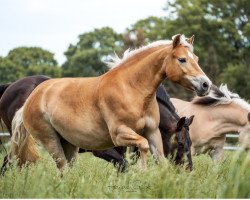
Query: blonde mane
point(116, 61)
point(221, 95)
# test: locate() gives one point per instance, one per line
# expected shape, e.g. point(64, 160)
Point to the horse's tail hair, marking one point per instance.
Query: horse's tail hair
point(3, 88)
point(23, 145)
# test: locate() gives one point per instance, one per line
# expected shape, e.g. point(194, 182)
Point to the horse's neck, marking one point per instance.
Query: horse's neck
point(227, 118)
point(144, 72)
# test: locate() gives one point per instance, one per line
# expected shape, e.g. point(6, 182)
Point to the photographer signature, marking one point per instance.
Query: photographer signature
point(134, 186)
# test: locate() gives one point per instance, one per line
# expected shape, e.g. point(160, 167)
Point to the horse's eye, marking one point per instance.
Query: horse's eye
point(182, 60)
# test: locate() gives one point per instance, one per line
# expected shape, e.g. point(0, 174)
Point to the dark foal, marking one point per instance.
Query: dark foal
point(15, 94)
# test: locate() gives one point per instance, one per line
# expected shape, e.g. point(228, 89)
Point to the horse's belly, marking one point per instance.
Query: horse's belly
point(86, 135)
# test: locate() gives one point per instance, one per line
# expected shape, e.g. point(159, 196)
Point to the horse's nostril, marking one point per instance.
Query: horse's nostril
point(205, 85)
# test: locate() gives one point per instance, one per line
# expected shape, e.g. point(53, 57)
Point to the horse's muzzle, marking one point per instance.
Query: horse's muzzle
point(202, 85)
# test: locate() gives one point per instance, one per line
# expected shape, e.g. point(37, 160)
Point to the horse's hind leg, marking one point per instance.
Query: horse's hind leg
point(50, 140)
point(70, 151)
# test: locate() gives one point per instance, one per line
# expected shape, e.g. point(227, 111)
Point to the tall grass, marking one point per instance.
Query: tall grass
point(91, 177)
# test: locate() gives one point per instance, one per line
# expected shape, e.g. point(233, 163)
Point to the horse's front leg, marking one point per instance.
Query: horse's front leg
point(155, 143)
point(125, 136)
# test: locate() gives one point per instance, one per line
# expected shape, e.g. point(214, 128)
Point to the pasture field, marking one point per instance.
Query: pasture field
point(91, 177)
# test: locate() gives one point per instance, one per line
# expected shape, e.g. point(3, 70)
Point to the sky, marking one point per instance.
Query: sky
point(54, 24)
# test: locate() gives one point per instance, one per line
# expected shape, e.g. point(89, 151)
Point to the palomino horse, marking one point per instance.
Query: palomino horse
point(118, 108)
point(170, 123)
point(217, 114)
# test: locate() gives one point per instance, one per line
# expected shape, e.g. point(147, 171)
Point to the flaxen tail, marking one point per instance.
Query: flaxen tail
point(23, 145)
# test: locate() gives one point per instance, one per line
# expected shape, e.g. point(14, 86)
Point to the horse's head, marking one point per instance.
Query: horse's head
point(244, 135)
point(182, 143)
point(182, 67)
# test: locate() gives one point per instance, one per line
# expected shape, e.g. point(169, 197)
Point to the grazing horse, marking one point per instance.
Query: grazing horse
point(177, 149)
point(118, 108)
point(217, 114)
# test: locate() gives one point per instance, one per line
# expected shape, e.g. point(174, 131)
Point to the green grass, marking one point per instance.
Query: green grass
point(91, 177)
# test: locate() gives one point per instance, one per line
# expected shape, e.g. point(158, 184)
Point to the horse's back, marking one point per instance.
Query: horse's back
point(180, 105)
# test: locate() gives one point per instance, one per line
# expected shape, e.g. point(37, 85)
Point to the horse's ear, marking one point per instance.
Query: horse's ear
point(181, 123)
point(176, 40)
point(191, 119)
point(191, 40)
point(248, 116)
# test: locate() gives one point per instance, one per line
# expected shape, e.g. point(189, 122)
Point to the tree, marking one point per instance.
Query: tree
point(237, 76)
point(26, 61)
point(152, 28)
point(28, 56)
point(9, 71)
point(87, 57)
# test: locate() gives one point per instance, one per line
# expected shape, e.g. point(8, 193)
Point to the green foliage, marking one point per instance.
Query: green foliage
point(28, 56)
point(27, 61)
point(154, 28)
point(87, 57)
point(9, 71)
point(238, 77)
point(91, 177)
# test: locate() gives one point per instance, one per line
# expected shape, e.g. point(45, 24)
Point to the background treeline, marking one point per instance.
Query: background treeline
point(222, 42)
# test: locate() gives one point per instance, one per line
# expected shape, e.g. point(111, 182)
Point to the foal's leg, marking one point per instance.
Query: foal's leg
point(125, 136)
point(113, 156)
point(155, 144)
point(70, 151)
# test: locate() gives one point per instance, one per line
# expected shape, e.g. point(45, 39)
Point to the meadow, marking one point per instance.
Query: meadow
point(91, 177)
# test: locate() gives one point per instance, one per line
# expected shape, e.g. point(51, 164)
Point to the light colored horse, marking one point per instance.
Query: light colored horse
point(217, 114)
point(118, 108)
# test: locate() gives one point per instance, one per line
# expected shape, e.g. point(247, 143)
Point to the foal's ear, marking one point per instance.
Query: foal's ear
point(191, 119)
point(248, 116)
point(191, 40)
point(181, 123)
point(176, 40)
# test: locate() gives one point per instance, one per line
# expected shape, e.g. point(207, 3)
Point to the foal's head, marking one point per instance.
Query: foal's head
point(181, 146)
point(182, 66)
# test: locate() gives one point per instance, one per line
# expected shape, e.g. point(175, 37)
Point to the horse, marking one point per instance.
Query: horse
point(216, 114)
point(13, 100)
point(118, 108)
